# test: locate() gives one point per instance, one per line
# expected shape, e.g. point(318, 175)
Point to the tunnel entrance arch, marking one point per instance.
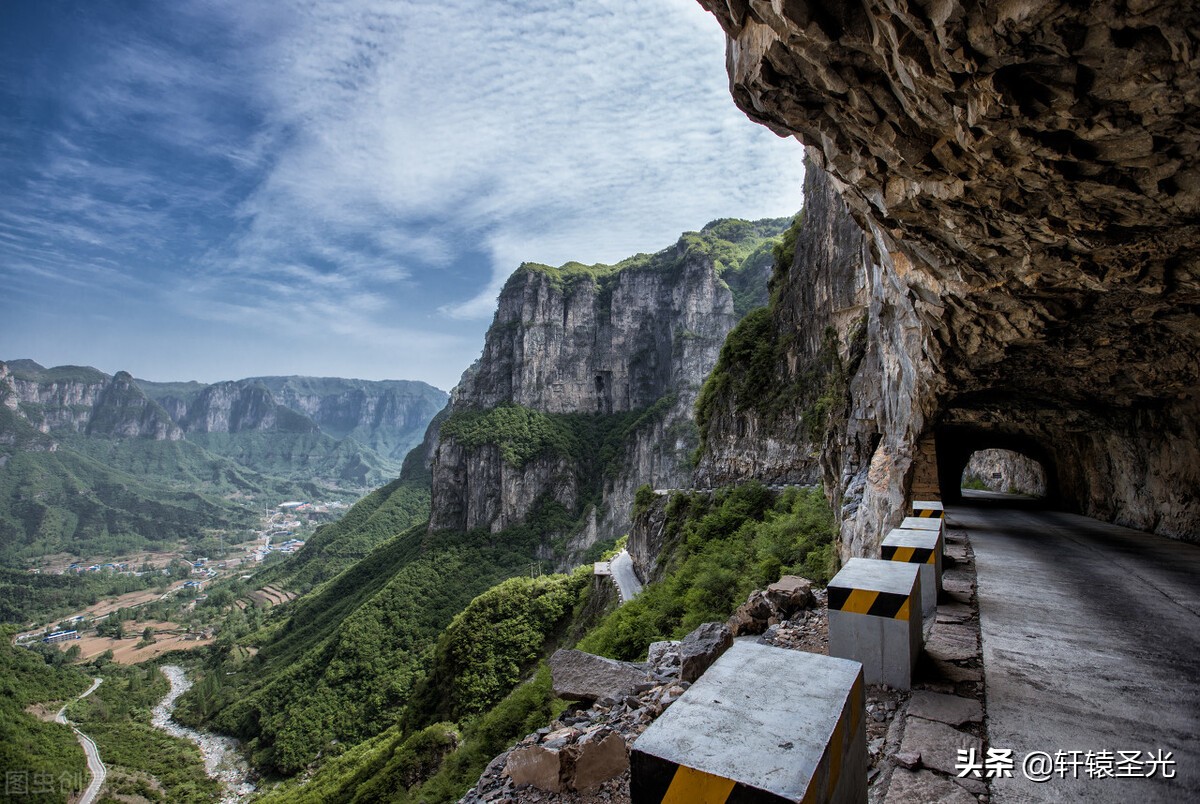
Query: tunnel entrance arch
point(1004, 471)
point(957, 445)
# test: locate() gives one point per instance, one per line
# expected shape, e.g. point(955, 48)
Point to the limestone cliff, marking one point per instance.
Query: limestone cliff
point(1026, 177)
point(79, 399)
point(586, 385)
point(238, 407)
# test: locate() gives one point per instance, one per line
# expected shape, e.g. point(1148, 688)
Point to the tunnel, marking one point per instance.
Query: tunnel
point(956, 445)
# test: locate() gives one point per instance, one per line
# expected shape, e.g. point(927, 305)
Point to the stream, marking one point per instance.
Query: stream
point(222, 761)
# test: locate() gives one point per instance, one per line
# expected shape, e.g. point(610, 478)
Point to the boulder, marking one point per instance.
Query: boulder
point(537, 766)
point(580, 676)
point(741, 623)
point(664, 655)
point(599, 756)
point(701, 648)
point(790, 594)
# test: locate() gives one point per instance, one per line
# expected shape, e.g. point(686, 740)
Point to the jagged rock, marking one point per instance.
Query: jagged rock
point(1026, 183)
point(937, 744)
point(908, 786)
point(790, 594)
point(537, 766)
point(663, 656)
point(949, 709)
point(565, 341)
point(701, 648)
point(581, 676)
point(598, 757)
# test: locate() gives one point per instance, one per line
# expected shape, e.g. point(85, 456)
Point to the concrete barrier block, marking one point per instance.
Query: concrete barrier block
point(874, 609)
point(929, 509)
point(923, 548)
point(763, 724)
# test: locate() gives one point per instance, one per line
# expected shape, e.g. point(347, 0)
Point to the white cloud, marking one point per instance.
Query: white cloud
point(551, 131)
point(318, 170)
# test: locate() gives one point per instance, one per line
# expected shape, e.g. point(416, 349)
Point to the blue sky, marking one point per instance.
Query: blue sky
point(213, 189)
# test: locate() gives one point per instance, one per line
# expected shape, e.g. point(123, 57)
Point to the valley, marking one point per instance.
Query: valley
point(316, 589)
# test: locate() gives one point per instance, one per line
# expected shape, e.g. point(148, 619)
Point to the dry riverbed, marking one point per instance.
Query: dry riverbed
point(222, 761)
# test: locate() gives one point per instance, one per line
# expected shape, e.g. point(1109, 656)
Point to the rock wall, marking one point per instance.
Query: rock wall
point(1026, 177)
point(637, 338)
point(83, 400)
point(238, 407)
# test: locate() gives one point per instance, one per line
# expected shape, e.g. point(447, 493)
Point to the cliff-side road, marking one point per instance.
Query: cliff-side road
point(1091, 643)
point(622, 573)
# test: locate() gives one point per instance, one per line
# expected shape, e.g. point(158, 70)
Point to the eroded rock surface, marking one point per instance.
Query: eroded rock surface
point(1026, 176)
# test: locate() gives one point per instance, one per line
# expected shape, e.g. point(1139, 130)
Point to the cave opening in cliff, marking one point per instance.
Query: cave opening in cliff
point(1003, 471)
point(992, 461)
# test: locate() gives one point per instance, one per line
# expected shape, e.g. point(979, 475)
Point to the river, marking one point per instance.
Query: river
point(222, 760)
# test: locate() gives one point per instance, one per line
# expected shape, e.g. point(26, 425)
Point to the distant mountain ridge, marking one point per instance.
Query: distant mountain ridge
point(91, 462)
point(387, 416)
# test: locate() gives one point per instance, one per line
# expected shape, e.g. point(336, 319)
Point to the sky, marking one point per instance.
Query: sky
point(215, 189)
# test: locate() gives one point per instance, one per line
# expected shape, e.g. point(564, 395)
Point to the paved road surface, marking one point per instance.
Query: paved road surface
point(95, 766)
point(1091, 642)
point(622, 573)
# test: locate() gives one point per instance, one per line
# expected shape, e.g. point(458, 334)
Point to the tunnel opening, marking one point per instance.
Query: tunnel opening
point(994, 461)
point(1003, 471)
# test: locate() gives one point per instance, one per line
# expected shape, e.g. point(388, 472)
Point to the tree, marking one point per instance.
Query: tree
point(148, 634)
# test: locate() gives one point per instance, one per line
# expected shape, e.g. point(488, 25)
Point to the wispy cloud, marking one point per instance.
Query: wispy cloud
point(374, 169)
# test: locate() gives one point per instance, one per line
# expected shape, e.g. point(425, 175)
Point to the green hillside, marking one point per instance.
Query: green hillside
point(32, 748)
point(403, 709)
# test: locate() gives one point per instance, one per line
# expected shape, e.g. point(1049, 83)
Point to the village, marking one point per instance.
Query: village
point(144, 624)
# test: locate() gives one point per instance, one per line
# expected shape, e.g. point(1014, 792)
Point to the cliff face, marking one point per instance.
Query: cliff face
point(82, 400)
point(586, 385)
point(238, 407)
point(387, 415)
point(1026, 179)
point(245, 420)
point(761, 412)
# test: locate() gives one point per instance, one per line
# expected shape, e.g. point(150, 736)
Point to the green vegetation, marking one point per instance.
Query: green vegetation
point(491, 644)
point(346, 658)
point(403, 768)
point(379, 516)
point(974, 482)
point(64, 501)
point(720, 548)
point(28, 597)
point(593, 441)
point(43, 754)
point(117, 717)
point(752, 373)
point(740, 251)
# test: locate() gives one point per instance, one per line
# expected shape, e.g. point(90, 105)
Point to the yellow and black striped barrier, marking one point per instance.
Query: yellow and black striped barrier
point(923, 548)
point(928, 509)
point(871, 618)
point(870, 601)
point(800, 738)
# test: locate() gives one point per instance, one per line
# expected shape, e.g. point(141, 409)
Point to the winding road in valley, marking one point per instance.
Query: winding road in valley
point(95, 766)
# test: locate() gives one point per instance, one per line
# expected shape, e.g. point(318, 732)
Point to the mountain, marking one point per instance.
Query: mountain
point(586, 385)
point(92, 463)
point(584, 391)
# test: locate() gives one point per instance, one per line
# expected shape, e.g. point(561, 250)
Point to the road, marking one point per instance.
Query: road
point(1091, 642)
point(95, 766)
point(623, 575)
